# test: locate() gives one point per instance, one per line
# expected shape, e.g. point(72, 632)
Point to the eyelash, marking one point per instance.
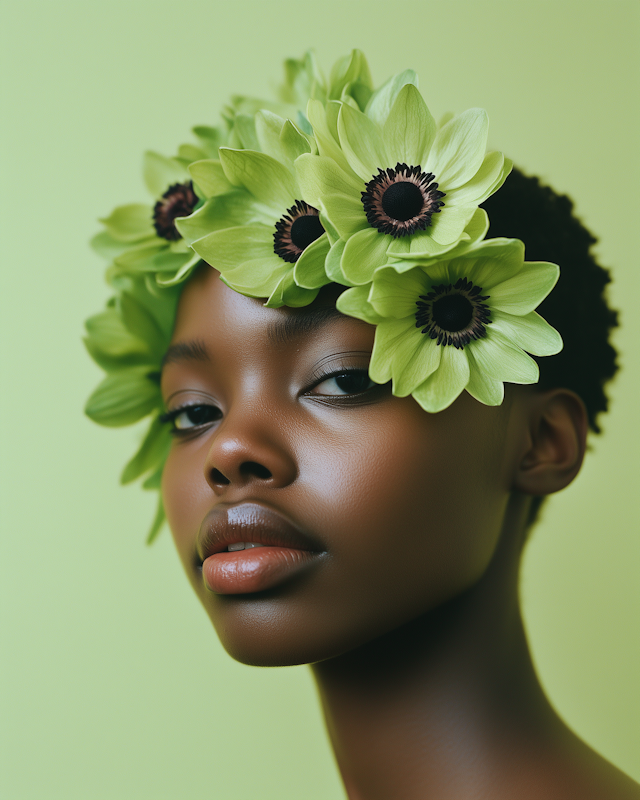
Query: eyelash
point(170, 416)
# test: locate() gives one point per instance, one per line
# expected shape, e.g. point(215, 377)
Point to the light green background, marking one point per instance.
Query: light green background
point(113, 684)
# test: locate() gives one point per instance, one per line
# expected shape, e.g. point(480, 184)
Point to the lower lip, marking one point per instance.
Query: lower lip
point(253, 570)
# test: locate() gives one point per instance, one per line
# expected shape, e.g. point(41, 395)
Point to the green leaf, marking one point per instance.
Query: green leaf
point(142, 324)
point(160, 172)
point(158, 522)
point(152, 452)
point(130, 223)
point(123, 398)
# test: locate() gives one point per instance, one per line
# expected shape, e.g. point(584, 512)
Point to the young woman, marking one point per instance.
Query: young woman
point(347, 482)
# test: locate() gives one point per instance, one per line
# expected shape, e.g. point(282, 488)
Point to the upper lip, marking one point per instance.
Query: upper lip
point(248, 522)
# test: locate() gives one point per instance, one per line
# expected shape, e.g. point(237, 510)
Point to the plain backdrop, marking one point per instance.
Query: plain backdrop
point(113, 682)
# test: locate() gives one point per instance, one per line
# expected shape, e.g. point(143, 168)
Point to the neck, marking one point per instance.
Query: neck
point(448, 703)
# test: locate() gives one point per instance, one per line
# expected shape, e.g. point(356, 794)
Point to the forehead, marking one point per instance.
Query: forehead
point(211, 312)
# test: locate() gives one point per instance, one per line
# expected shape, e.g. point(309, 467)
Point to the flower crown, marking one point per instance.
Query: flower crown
point(334, 183)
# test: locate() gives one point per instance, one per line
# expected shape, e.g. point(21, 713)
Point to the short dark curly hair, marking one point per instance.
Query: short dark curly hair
point(544, 220)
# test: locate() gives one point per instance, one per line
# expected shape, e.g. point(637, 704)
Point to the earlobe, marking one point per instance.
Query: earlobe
point(555, 445)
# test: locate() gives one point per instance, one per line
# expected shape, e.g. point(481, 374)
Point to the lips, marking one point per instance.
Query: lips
point(284, 550)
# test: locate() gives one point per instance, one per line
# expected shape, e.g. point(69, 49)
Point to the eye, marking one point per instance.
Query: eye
point(189, 417)
point(354, 381)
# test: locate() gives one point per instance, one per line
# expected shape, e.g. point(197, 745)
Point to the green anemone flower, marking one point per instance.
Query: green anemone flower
point(391, 182)
point(142, 238)
point(261, 236)
point(349, 78)
point(460, 323)
point(128, 340)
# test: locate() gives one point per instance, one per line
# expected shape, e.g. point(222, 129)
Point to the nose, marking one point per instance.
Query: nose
point(246, 449)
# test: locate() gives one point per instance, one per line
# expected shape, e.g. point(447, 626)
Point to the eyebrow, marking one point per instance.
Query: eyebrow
point(283, 330)
point(194, 350)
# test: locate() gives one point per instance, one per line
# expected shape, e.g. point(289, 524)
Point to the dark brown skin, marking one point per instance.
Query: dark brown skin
point(409, 616)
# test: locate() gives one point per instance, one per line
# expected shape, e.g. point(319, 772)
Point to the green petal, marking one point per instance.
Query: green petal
point(362, 143)
point(389, 335)
point(365, 251)
point(410, 129)
point(346, 214)
point(332, 263)
point(524, 292)
point(130, 223)
point(123, 398)
point(287, 293)
point(268, 180)
point(210, 178)
point(530, 332)
point(158, 521)
point(394, 295)
point(414, 363)
point(245, 129)
point(228, 248)
point(459, 148)
point(231, 210)
point(181, 274)
point(327, 143)
point(351, 69)
point(210, 139)
point(419, 245)
point(258, 277)
point(446, 383)
point(484, 389)
point(279, 138)
point(487, 180)
point(160, 172)
point(382, 100)
point(354, 303)
point(319, 176)
point(490, 263)
point(501, 360)
point(309, 271)
point(152, 452)
point(448, 226)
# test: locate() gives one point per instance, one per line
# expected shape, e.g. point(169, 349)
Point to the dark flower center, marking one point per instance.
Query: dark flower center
point(296, 230)
point(454, 314)
point(178, 201)
point(401, 201)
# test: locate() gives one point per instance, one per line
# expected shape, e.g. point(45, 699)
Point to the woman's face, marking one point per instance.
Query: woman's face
point(370, 511)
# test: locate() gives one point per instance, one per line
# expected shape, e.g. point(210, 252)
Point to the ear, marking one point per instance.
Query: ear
point(555, 445)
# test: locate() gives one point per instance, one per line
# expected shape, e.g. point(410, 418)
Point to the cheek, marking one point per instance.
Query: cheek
point(186, 497)
point(416, 505)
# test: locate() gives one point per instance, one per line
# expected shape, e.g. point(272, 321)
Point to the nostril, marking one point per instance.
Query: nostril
point(252, 468)
point(219, 478)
